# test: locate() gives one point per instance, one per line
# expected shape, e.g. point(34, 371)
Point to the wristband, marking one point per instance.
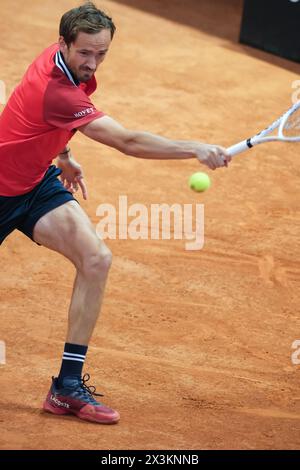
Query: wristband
point(66, 151)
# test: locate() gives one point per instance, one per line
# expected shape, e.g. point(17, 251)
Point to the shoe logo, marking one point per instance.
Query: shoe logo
point(58, 402)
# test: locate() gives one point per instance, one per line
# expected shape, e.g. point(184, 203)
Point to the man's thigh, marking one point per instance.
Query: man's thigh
point(68, 230)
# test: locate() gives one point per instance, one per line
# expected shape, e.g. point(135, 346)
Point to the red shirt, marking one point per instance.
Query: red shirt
point(39, 119)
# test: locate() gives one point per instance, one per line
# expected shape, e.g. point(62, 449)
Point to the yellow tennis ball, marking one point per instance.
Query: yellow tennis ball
point(199, 181)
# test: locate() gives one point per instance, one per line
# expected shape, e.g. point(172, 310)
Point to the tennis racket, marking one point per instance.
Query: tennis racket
point(288, 130)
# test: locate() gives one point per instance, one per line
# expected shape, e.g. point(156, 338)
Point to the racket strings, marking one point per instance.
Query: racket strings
point(291, 127)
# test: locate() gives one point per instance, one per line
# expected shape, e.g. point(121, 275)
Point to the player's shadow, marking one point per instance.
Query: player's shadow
point(31, 410)
point(221, 18)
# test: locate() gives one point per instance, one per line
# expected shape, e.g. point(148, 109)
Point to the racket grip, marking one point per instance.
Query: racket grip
point(240, 147)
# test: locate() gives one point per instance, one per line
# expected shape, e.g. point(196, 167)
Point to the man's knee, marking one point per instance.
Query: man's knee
point(96, 261)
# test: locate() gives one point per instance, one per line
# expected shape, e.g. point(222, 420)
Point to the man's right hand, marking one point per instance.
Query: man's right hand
point(212, 156)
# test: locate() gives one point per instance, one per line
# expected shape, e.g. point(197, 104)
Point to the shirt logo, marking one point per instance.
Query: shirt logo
point(83, 113)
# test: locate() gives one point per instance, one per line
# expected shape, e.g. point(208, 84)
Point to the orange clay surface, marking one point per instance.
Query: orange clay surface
point(192, 347)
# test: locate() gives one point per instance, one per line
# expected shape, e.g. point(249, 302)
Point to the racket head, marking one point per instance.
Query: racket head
point(267, 134)
point(289, 129)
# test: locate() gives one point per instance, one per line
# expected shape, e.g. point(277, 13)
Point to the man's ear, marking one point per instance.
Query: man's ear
point(62, 45)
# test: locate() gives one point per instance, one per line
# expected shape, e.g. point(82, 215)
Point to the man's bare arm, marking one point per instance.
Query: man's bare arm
point(146, 145)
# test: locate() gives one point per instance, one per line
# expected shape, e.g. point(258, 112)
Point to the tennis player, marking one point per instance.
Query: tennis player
point(42, 115)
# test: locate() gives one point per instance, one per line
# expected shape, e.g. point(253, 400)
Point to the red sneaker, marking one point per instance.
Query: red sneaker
point(76, 398)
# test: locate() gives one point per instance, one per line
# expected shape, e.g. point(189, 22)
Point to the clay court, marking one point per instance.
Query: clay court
point(193, 347)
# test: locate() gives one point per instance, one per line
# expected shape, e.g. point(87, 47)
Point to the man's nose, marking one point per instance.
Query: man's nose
point(91, 63)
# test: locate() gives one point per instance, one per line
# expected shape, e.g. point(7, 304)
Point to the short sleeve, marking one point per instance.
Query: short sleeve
point(68, 107)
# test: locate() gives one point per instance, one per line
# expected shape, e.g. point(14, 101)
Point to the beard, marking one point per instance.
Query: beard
point(85, 74)
point(82, 74)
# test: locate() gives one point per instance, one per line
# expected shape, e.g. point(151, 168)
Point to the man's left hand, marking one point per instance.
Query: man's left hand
point(72, 176)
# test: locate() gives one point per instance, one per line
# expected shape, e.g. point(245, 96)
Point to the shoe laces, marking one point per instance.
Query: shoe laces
point(78, 389)
point(90, 389)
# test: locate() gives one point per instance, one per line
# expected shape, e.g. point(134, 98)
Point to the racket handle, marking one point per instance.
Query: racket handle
point(240, 147)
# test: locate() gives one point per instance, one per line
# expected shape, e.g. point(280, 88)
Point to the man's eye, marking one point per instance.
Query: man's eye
point(83, 53)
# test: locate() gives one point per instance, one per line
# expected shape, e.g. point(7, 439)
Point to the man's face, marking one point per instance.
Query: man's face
point(85, 54)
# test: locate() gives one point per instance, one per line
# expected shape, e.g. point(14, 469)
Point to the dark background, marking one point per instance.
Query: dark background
point(273, 26)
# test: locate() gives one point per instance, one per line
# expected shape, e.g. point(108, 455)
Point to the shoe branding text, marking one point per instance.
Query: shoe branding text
point(58, 402)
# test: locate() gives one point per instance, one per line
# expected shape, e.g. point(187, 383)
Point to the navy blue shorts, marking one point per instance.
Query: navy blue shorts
point(23, 212)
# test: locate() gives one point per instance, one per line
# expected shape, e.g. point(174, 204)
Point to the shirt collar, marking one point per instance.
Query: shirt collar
point(61, 64)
